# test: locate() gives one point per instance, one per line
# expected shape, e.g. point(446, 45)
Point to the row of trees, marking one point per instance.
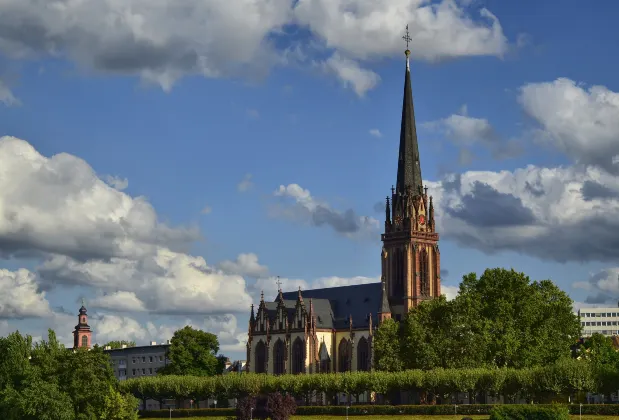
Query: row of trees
point(46, 381)
point(566, 377)
point(500, 319)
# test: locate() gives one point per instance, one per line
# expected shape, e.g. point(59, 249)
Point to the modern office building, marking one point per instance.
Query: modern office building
point(603, 321)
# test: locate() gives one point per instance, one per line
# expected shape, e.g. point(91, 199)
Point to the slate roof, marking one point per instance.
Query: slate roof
point(333, 305)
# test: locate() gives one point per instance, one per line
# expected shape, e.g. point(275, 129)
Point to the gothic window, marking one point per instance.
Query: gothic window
point(423, 272)
point(435, 268)
point(261, 356)
point(84, 341)
point(325, 360)
point(279, 352)
point(298, 356)
point(343, 356)
point(363, 352)
point(398, 287)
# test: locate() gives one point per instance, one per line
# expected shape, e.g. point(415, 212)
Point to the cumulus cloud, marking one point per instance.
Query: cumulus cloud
point(536, 211)
point(20, 297)
point(245, 265)
point(165, 40)
point(581, 122)
point(165, 282)
point(350, 73)
point(117, 182)
point(309, 210)
point(450, 292)
point(602, 287)
point(466, 131)
point(59, 205)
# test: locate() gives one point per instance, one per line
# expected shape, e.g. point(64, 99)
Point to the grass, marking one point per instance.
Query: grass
point(408, 417)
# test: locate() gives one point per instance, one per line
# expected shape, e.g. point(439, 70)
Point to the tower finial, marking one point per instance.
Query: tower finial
point(279, 284)
point(408, 39)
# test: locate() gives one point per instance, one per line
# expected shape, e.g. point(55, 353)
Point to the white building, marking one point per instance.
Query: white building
point(603, 321)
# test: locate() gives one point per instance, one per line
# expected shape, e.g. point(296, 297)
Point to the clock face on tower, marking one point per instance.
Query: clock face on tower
point(398, 220)
point(422, 219)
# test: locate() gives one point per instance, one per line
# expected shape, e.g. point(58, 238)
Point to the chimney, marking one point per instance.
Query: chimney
point(124, 346)
point(167, 341)
point(153, 343)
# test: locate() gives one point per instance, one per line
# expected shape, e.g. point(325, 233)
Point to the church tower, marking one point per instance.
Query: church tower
point(411, 263)
point(82, 334)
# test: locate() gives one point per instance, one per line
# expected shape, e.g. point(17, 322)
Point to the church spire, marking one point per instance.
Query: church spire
point(409, 169)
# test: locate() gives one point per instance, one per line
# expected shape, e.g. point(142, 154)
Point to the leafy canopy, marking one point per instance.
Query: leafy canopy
point(193, 352)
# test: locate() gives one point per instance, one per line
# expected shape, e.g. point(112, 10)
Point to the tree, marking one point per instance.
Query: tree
point(518, 323)
point(386, 345)
point(193, 352)
point(119, 344)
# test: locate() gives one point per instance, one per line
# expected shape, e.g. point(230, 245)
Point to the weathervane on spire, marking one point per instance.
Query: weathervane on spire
point(279, 284)
point(82, 301)
point(407, 38)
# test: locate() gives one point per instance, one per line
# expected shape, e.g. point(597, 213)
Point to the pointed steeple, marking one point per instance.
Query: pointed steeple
point(409, 169)
point(384, 301)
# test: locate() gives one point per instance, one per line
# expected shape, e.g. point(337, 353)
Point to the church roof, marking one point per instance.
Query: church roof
point(334, 305)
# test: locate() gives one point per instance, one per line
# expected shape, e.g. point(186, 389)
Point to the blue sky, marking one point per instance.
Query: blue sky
point(238, 127)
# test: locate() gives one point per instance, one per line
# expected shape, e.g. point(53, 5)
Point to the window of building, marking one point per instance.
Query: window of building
point(84, 341)
point(298, 356)
point(133, 360)
point(144, 371)
point(363, 355)
point(161, 358)
point(343, 356)
point(143, 359)
point(150, 370)
point(150, 359)
point(279, 352)
point(133, 372)
point(261, 353)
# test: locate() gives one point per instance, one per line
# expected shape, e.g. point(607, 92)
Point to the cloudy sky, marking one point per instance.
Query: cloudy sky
point(165, 161)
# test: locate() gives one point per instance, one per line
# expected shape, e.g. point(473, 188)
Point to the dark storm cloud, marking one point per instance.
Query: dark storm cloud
point(347, 222)
point(592, 190)
point(598, 298)
point(487, 207)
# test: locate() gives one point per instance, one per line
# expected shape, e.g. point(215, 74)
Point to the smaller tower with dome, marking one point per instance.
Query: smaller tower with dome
point(82, 335)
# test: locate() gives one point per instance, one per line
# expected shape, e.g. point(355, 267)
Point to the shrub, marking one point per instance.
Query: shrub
point(529, 412)
point(245, 408)
point(280, 407)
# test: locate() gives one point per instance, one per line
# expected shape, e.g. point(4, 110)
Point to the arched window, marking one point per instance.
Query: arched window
point(278, 357)
point(84, 341)
point(423, 272)
point(298, 356)
point(325, 360)
point(343, 356)
point(363, 355)
point(261, 357)
point(435, 269)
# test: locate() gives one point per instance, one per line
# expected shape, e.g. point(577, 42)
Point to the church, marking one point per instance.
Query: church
point(331, 329)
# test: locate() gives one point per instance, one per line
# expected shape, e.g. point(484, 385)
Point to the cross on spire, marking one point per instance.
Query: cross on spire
point(407, 37)
point(279, 284)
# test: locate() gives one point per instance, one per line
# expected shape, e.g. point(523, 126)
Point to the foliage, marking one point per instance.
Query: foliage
point(529, 412)
point(566, 377)
point(245, 408)
point(280, 407)
point(48, 381)
point(386, 346)
point(193, 352)
point(116, 344)
point(117, 406)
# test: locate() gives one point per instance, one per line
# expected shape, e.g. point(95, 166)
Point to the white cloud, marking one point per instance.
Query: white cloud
point(108, 328)
point(376, 132)
point(121, 301)
point(603, 287)
point(117, 182)
point(245, 265)
point(166, 282)
point(582, 123)
point(20, 297)
point(6, 96)
point(351, 74)
point(373, 29)
point(59, 205)
point(307, 209)
point(164, 40)
point(450, 292)
point(245, 184)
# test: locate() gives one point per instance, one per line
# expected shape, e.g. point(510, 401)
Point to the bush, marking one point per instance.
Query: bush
point(245, 408)
point(530, 412)
point(185, 412)
point(387, 410)
point(280, 407)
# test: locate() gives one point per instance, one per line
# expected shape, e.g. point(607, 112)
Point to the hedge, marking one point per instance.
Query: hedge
point(569, 377)
point(361, 410)
point(529, 412)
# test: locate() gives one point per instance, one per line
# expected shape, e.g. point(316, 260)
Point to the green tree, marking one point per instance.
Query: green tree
point(37, 400)
point(386, 346)
point(116, 344)
point(518, 323)
point(193, 352)
point(117, 406)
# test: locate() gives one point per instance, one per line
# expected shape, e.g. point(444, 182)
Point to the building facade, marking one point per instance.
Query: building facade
point(603, 321)
point(331, 330)
point(134, 362)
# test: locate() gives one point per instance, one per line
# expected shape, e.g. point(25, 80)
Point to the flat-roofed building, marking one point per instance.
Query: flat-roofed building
point(603, 321)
